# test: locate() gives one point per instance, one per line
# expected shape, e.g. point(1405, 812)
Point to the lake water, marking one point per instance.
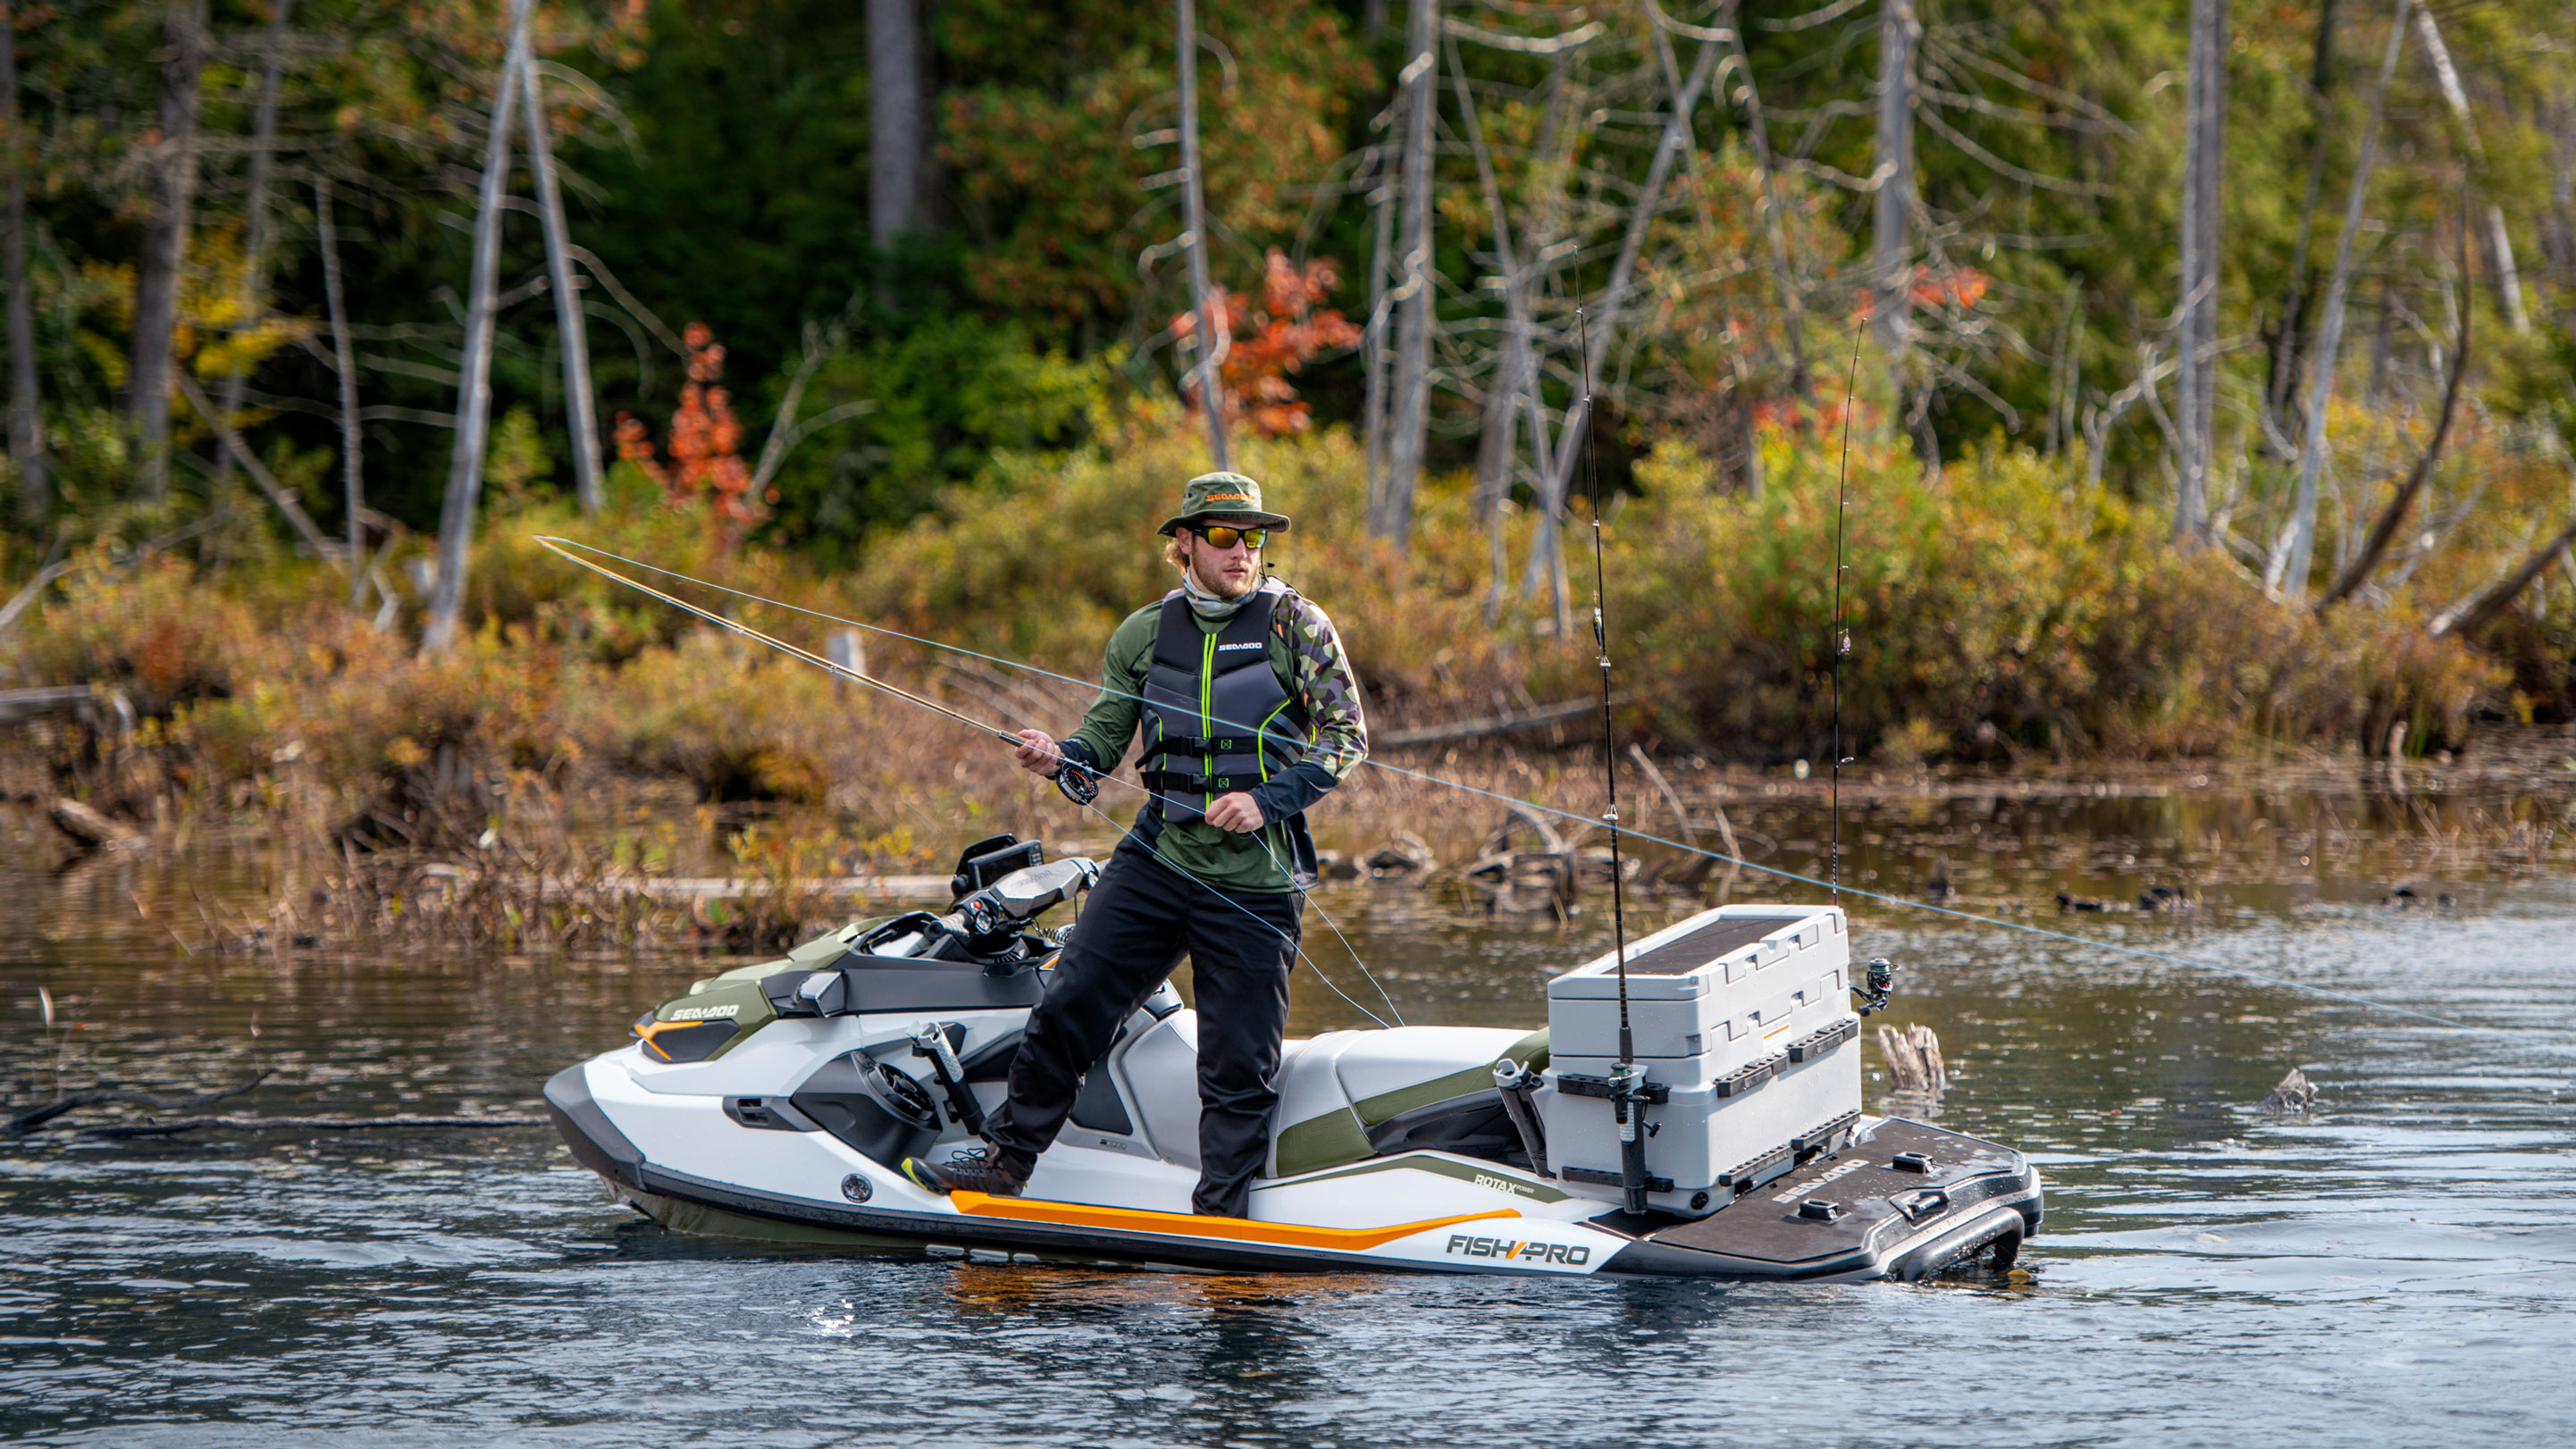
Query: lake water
point(2397, 1269)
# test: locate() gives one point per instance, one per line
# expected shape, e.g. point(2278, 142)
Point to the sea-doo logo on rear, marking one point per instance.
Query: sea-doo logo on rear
point(703, 1013)
point(1804, 1188)
point(1571, 1255)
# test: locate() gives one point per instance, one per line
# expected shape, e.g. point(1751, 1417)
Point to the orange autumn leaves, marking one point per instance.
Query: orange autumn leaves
point(704, 442)
point(1266, 345)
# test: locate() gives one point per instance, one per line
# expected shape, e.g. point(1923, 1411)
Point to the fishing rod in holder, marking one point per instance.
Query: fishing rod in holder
point(1881, 981)
point(1629, 1092)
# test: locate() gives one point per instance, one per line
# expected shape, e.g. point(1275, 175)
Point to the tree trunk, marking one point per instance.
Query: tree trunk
point(263, 146)
point(26, 427)
point(2285, 349)
point(474, 376)
point(1373, 352)
point(1390, 513)
point(2508, 277)
point(581, 407)
point(1502, 395)
point(1890, 271)
point(2470, 616)
point(345, 362)
point(165, 247)
point(2205, 156)
point(1210, 308)
point(895, 132)
point(1604, 327)
point(2356, 573)
point(2558, 240)
point(1792, 303)
point(2293, 581)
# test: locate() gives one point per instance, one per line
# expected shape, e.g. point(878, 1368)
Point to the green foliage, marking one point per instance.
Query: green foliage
point(515, 461)
point(1054, 141)
point(926, 411)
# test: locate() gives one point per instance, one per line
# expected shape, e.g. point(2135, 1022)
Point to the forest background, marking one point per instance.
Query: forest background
point(2205, 373)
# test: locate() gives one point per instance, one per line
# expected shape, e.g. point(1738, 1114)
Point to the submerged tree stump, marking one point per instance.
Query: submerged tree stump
point(1914, 1061)
point(2295, 1097)
point(92, 830)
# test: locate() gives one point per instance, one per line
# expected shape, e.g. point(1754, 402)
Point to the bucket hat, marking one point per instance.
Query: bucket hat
point(1222, 498)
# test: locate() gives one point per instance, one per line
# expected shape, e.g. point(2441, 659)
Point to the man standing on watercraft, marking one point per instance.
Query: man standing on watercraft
point(1249, 714)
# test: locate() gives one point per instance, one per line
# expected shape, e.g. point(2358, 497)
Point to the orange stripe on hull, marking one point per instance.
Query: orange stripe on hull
point(1191, 1225)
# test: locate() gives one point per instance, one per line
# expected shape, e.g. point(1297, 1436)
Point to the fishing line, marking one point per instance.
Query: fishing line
point(1842, 639)
point(2142, 953)
point(980, 726)
point(1296, 946)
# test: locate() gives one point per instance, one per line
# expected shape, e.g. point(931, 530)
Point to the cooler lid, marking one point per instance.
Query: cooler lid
point(1674, 963)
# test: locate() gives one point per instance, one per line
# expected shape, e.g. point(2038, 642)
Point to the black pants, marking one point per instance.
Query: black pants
point(1142, 918)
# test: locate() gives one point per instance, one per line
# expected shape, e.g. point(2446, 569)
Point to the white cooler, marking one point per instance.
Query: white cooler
point(1744, 1015)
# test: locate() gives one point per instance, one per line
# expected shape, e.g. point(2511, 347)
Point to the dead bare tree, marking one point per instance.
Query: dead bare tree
point(1892, 177)
point(1373, 334)
point(2501, 272)
point(896, 132)
point(2473, 614)
point(1390, 510)
point(1204, 304)
point(2357, 572)
point(1774, 232)
point(1502, 398)
point(581, 405)
point(2507, 276)
point(1545, 562)
point(2204, 163)
point(474, 375)
point(2285, 349)
point(2288, 573)
point(165, 246)
point(26, 432)
point(263, 148)
point(277, 492)
point(344, 364)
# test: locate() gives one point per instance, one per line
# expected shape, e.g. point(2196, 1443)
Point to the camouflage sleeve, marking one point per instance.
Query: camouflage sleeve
point(1325, 688)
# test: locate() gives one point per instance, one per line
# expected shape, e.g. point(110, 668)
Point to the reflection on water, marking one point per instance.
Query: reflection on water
point(2400, 1268)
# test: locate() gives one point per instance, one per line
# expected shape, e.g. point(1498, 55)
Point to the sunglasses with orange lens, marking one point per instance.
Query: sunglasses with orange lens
point(1220, 536)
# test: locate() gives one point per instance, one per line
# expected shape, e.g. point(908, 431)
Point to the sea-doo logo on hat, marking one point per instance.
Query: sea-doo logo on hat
point(1229, 498)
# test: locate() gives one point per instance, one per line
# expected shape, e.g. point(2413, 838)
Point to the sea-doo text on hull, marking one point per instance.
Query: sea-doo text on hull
point(778, 1100)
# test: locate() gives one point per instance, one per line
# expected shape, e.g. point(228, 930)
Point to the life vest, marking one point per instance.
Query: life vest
point(1217, 718)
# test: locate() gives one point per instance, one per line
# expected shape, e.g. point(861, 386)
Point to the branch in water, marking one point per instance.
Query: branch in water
point(36, 1118)
point(299, 1124)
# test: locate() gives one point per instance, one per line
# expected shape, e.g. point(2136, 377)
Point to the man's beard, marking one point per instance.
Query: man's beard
point(1223, 587)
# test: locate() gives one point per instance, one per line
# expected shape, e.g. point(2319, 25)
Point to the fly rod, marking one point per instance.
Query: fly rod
point(782, 646)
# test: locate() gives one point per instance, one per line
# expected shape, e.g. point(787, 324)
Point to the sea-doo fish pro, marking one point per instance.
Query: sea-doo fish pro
point(778, 1100)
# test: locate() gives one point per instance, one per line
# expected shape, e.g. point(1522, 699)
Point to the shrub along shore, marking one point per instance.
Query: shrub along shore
point(2006, 610)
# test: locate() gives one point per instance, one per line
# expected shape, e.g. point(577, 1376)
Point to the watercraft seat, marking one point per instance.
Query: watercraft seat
point(1347, 1096)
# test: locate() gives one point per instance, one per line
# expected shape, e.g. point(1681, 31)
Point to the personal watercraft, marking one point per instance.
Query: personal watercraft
point(777, 1101)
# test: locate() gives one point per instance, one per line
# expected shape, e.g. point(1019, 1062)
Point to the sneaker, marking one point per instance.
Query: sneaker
point(985, 1170)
